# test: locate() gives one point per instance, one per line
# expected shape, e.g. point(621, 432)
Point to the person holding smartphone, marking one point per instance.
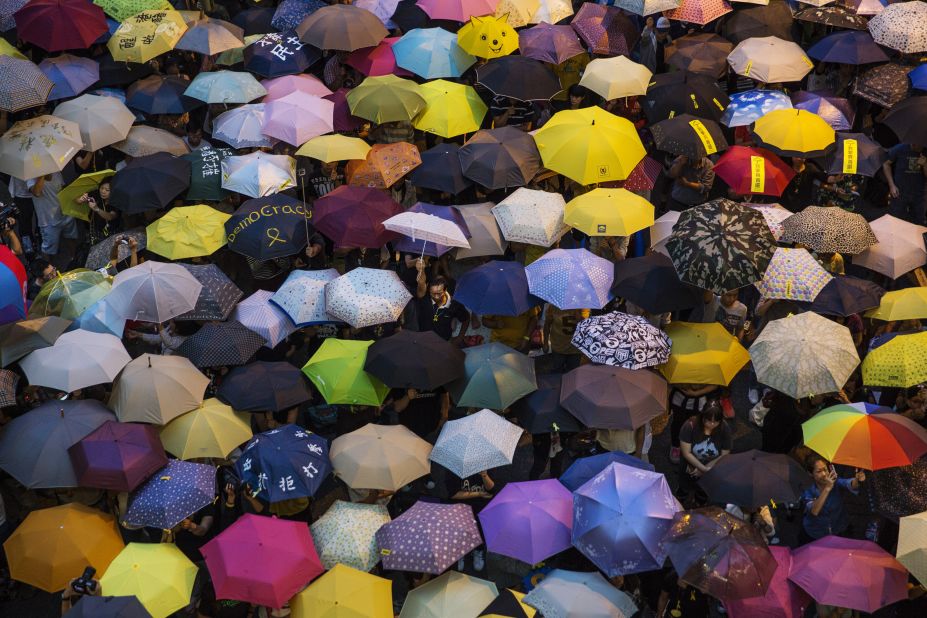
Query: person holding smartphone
point(824, 509)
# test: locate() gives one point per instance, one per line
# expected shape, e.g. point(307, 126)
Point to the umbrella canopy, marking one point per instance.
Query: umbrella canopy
point(783, 598)
point(344, 591)
point(206, 175)
point(386, 99)
point(337, 370)
point(906, 304)
point(855, 153)
point(210, 36)
point(700, 13)
point(856, 574)
point(519, 78)
point(160, 94)
point(298, 117)
point(221, 343)
point(380, 457)
point(149, 182)
point(774, 214)
point(211, 430)
point(689, 136)
point(427, 227)
point(26, 86)
point(753, 171)
point(345, 534)
point(837, 16)
point(701, 52)
point(85, 183)
point(284, 463)
point(225, 87)
point(117, 456)
point(679, 92)
point(571, 279)
point(258, 174)
point(410, 359)
point(585, 469)
point(157, 574)
point(749, 106)
point(910, 551)
point(54, 25)
point(262, 386)
point(71, 75)
point(452, 109)
point(844, 296)
point(475, 443)
point(829, 229)
point(263, 317)
point(342, 27)
point(156, 389)
point(354, 216)
point(793, 274)
point(447, 213)
point(331, 148)
point(613, 397)
point(302, 295)
point(608, 212)
point(145, 35)
point(143, 140)
point(900, 27)
point(770, 60)
point(562, 594)
point(241, 127)
point(500, 158)
point(431, 53)
point(896, 362)
point(70, 294)
point(77, 359)
point(532, 217)
point(661, 230)
point(378, 60)
point(621, 340)
point(428, 538)
point(495, 376)
point(261, 560)
point(551, 44)
point(38, 146)
point(651, 282)
point(20, 338)
point(495, 288)
point(218, 296)
point(703, 354)
point(620, 517)
point(886, 85)
point(306, 83)
point(154, 292)
point(52, 544)
point(384, 166)
point(605, 29)
point(900, 247)
point(188, 231)
point(794, 133)
point(488, 36)
point(366, 297)
point(838, 112)
point(172, 494)
point(754, 478)
point(848, 47)
point(108, 607)
point(457, 10)
point(14, 286)
point(268, 227)
point(452, 593)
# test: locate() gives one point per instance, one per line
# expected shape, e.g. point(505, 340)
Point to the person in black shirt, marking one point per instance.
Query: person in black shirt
point(437, 311)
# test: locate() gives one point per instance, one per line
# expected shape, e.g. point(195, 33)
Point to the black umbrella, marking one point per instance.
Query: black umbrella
point(277, 54)
point(412, 359)
point(108, 607)
point(671, 94)
point(409, 16)
point(221, 343)
point(269, 227)
point(217, 297)
point(651, 282)
point(262, 386)
point(844, 295)
point(608, 397)
point(149, 183)
point(541, 412)
point(773, 19)
point(908, 120)
point(753, 478)
point(700, 53)
point(836, 16)
point(500, 158)
point(884, 85)
point(690, 136)
point(118, 73)
point(855, 153)
point(161, 94)
point(518, 77)
point(255, 20)
point(440, 170)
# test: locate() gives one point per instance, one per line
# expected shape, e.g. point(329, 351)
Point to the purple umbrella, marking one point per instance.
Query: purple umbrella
point(298, 117)
point(529, 521)
point(571, 279)
point(447, 213)
point(547, 43)
point(118, 456)
point(70, 74)
point(783, 599)
point(175, 492)
point(428, 538)
point(585, 468)
point(836, 111)
point(620, 517)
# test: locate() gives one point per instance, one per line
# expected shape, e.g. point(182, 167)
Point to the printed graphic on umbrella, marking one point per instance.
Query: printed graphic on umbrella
point(284, 463)
point(622, 340)
point(428, 538)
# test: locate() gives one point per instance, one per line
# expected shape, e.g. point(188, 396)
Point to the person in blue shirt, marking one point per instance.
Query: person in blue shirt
point(824, 510)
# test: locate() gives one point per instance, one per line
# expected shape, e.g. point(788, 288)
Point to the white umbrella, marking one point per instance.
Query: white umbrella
point(901, 26)
point(774, 215)
point(143, 140)
point(241, 127)
point(900, 248)
point(485, 235)
point(298, 117)
point(225, 87)
point(157, 389)
point(263, 317)
point(154, 292)
point(647, 7)
point(531, 216)
point(78, 359)
point(102, 120)
point(661, 230)
point(39, 146)
point(569, 594)
point(770, 59)
point(302, 295)
point(366, 297)
point(475, 443)
point(422, 226)
point(258, 174)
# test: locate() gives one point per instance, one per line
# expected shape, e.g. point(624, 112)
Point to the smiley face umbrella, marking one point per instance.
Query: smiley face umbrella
point(487, 37)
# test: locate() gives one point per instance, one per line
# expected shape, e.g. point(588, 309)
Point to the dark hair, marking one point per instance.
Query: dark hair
point(711, 412)
point(812, 460)
point(439, 280)
point(38, 266)
point(577, 91)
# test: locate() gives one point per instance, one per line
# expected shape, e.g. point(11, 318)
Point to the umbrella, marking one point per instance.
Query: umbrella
point(341, 27)
point(269, 227)
point(701, 52)
point(262, 386)
point(284, 464)
point(337, 370)
point(146, 35)
point(905, 304)
point(836, 111)
point(899, 27)
point(910, 551)
point(217, 297)
point(431, 53)
point(206, 178)
point(366, 297)
point(703, 354)
point(77, 359)
point(108, 607)
point(211, 430)
point(20, 338)
point(38, 146)
point(446, 213)
point(700, 13)
point(605, 29)
point(297, 117)
point(613, 78)
point(117, 456)
point(688, 136)
point(848, 47)
point(345, 534)
point(377, 61)
point(620, 517)
point(621, 340)
point(585, 469)
point(517, 13)
point(225, 87)
point(172, 494)
point(344, 591)
point(241, 127)
point(519, 78)
point(149, 183)
point(552, 11)
point(783, 598)
point(485, 235)
point(613, 397)
point(279, 87)
point(749, 106)
point(452, 593)
point(452, 109)
point(509, 604)
point(156, 389)
point(254, 20)
point(571, 279)
point(428, 538)
point(101, 120)
point(589, 145)
point(829, 230)
point(551, 44)
point(409, 359)
point(160, 94)
point(495, 288)
point(495, 377)
point(855, 574)
point(770, 60)
point(221, 343)
point(565, 594)
point(794, 133)
point(753, 478)
point(331, 148)
point(188, 231)
point(154, 292)
point(903, 119)
point(85, 183)
point(836, 16)
point(33, 446)
point(793, 274)
point(71, 75)
point(302, 296)
point(803, 355)
point(210, 36)
point(101, 318)
point(855, 153)
point(456, 10)
point(772, 19)
point(70, 294)
point(651, 282)
point(500, 158)
point(53, 544)
point(531, 216)
point(258, 174)
point(257, 313)
point(720, 245)
point(290, 13)
point(475, 443)
point(647, 7)
point(7, 10)
point(753, 171)
point(384, 166)
point(900, 247)
point(679, 92)
point(774, 214)
point(14, 286)
point(24, 85)
point(120, 10)
point(380, 457)
point(143, 140)
point(844, 296)
point(488, 36)
point(897, 362)
point(719, 554)
point(120, 73)
point(386, 99)
point(157, 574)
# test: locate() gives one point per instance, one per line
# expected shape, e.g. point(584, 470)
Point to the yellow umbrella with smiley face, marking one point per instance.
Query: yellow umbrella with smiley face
point(489, 36)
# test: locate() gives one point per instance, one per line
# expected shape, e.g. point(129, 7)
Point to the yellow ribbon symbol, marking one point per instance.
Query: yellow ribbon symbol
point(273, 234)
point(704, 135)
point(849, 156)
point(757, 174)
point(747, 68)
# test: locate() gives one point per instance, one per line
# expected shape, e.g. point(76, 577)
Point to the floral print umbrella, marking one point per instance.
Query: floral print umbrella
point(902, 27)
point(302, 295)
point(700, 11)
point(829, 229)
point(345, 534)
point(793, 274)
point(571, 279)
point(366, 297)
point(532, 217)
point(622, 340)
point(428, 538)
point(172, 494)
point(605, 29)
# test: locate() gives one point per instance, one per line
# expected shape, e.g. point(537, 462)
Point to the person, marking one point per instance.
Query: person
point(704, 439)
point(692, 181)
point(732, 314)
point(686, 400)
point(824, 510)
point(906, 174)
point(654, 39)
point(9, 238)
point(53, 224)
point(194, 138)
point(440, 313)
point(558, 329)
point(103, 220)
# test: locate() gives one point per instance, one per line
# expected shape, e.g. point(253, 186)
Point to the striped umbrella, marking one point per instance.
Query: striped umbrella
point(263, 317)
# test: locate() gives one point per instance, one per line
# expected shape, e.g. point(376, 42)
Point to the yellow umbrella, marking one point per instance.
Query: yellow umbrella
point(590, 145)
point(237, 54)
point(794, 133)
point(52, 546)
point(158, 574)
point(211, 430)
point(608, 212)
point(488, 36)
point(386, 98)
point(85, 183)
point(8, 50)
point(344, 592)
point(616, 77)
point(517, 12)
point(188, 231)
point(900, 362)
point(452, 109)
point(337, 147)
point(906, 304)
point(147, 35)
point(703, 354)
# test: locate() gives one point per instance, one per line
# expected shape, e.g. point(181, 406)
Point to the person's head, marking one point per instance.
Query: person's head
point(710, 418)
point(729, 298)
point(817, 467)
point(577, 95)
point(437, 288)
point(194, 135)
point(663, 28)
point(798, 164)
point(105, 189)
point(42, 270)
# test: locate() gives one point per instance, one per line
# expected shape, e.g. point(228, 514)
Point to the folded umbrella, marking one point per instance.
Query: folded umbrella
point(261, 386)
point(157, 574)
point(70, 74)
point(451, 593)
point(70, 294)
point(621, 340)
point(532, 217)
point(257, 313)
point(380, 457)
point(142, 141)
point(366, 297)
point(38, 146)
point(562, 594)
point(783, 598)
point(20, 338)
point(703, 354)
point(337, 370)
point(156, 389)
point(172, 494)
point(269, 227)
point(428, 538)
point(345, 534)
point(345, 591)
point(613, 397)
point(77, 359)
point(56, 26)
point(221, 343)
point(302, 296)
point(284, 463)
point(495, 288)
point(749, 106)
point(150, 183)
point(495, 376)
point(900, 247)
point(217, 297)
point(410, 359)
point(475, 443)
point(793, 274)
point(754, 171)
point(584, 469)
point(341, 27)
point(843, 296)
point(117, 456)
point(518, 77)
point(754, 478)
point(500, 158)
point(160, 94)
point(26, 86)
point(651, 282)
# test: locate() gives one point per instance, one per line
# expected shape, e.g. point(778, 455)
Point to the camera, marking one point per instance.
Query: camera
point(7, 211)
point(85, 584)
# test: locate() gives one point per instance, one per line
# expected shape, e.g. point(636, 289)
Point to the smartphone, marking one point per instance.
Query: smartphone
point(833, 471)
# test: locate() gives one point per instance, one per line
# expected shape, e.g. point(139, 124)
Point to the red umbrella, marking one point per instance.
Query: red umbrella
point(377, 61)
point(55, 25)
point(117, 456)
point(354, 216)
point(753, 170)
point(262, 560)
point(783, 599)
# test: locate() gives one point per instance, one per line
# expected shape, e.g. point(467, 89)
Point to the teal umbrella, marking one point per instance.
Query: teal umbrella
point(206, 174)
point(495, 376)
point(432, 53)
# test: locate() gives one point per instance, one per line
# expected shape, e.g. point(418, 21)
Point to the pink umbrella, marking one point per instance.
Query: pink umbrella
point(298, 117)
point(547, 43)
point(783, 599)
point(262, 560)
point(849, 573)
point(457, 10)
point(700, 11)
point(377, 61)
point(279, 87)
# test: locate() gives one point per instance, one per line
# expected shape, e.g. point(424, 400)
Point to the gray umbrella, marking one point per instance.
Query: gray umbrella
point(495, 376)
point(98, 256)
point(217, 297)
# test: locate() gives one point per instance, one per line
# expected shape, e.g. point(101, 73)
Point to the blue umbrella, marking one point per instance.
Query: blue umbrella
point(541, 412)
point(255, 20)
point(447, 213)
point(172, 494)
point(495, 376)
point(571, 279)
point(277, 54)
point(302, 296)
point(919, 77)
point(160, 94)
point(290, 13)
point(749, 106)
point(284, 463)
point(848, 47)
point(836, 111)
point(620, 517)
point(70, 74)
point(100, 317)
point(7, 9)
point(495, 288)
point(432, 53)
point(585, 468)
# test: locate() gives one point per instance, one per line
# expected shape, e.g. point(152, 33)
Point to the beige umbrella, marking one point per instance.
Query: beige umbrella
point(452, 594)
point(102, 120)
point(39, 146)
point(212, 429)
point(21, 338)
point(616, 77)
point(770, 59)
point(661, 229)
point(143, 140)
point(78, 359)
point(156, 389)
point(380, 457)
point(900, 248)
point(912, 544)
point(210, 36)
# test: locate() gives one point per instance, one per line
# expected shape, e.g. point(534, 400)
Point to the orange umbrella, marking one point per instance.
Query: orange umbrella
point(384, 166)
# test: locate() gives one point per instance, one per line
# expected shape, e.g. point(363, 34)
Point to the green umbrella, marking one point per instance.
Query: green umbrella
point(70, 294)
point(495, 376)
point(206, 174)
point(337, 370)
point(237, 54)
point(85, 183)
